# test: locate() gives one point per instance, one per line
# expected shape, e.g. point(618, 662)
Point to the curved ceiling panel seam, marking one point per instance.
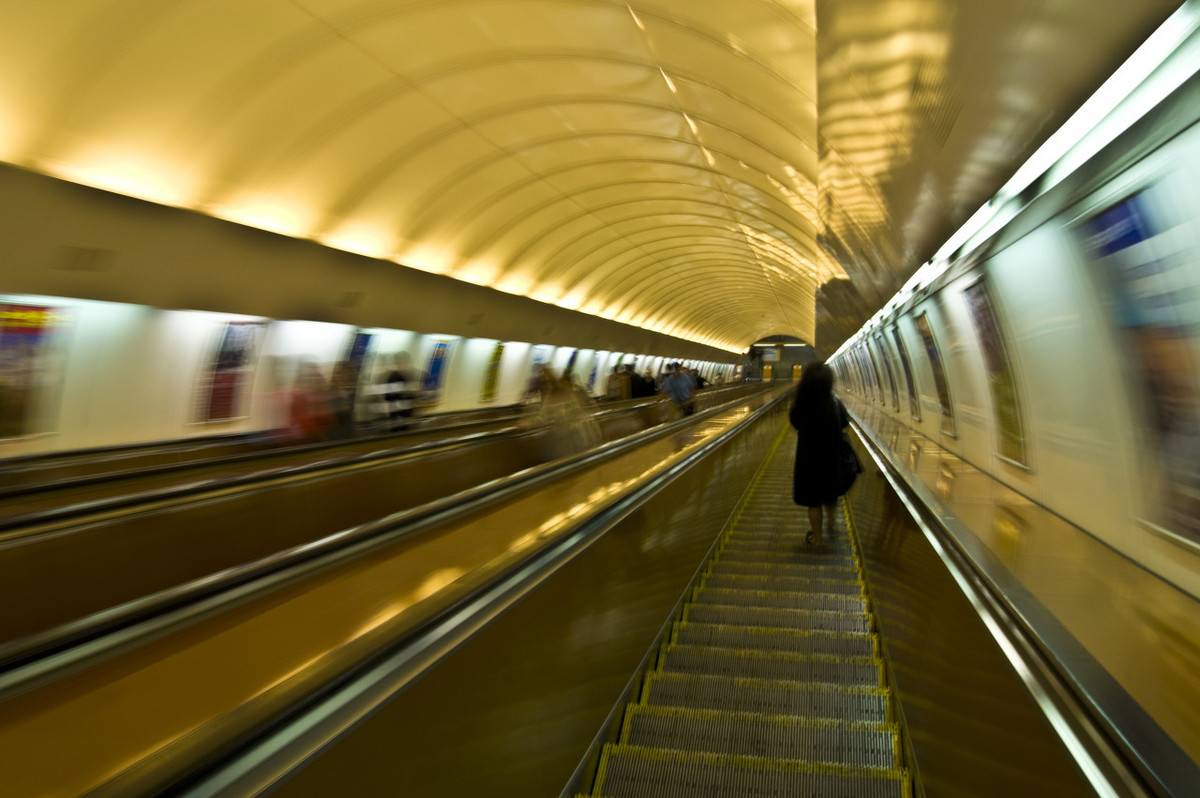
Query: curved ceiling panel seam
point(758, 191)
point(472, 168)
point(553, 260)
point(777, 232)
point(383, 170)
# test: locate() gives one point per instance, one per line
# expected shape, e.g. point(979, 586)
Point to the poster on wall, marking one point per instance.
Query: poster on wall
point(914, 402)
point(1151, 279)
point(999, 372)
point(435, 372)
point(939, 374)
point(28, 368)
point(229, 371)
point(356, 352)
point(591, 383)
point(491, 380)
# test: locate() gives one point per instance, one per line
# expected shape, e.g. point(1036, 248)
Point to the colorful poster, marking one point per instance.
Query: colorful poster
point(491, 379)
point(939, 374)
point(439, 362)
point(591, 383)
point(356, 352)
point(1000, 375)
point(26, 358)
point(1151, 277)
point(229, 371)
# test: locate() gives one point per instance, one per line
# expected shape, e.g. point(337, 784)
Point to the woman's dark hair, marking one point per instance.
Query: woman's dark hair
point(816, 383)
point(814, 397)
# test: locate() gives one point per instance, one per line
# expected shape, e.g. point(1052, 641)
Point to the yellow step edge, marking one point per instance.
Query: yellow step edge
point(798, 721)
point(684, 616)
point(708, 574)
point(762, 763)
point(750, 682)
point(744, 653)
point(808, 593)
point(783, 631)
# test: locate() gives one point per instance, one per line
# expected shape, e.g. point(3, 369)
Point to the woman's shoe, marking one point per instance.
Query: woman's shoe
point(811, 538)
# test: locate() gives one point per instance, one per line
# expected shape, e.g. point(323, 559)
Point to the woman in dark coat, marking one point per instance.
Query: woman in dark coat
point(820, 477)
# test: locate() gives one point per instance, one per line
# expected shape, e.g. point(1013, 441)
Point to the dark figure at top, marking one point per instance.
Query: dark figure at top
point(822, 474)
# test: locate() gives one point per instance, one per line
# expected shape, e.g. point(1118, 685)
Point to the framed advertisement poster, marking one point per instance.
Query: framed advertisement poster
point(228, 372)
point(28, 369)
point(1000, 376)
point(939, 373)
point(1150, 278)
point(435, 372)
point(491, 379)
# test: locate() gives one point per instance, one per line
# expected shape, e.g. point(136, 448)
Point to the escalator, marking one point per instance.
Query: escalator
point(771, 680)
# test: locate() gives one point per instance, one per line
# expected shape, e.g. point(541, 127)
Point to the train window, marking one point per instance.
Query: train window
point(881, 348)
point(939, 373)
point(914, 404)
point(999, 372)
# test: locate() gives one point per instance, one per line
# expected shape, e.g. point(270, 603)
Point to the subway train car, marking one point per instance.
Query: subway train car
point(1039, 383)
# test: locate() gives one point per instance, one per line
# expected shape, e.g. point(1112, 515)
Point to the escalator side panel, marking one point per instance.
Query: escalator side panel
point(133, 555)
point(973, 727)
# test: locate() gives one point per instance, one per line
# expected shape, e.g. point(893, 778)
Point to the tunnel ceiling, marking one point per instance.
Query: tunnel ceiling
point(718, 170)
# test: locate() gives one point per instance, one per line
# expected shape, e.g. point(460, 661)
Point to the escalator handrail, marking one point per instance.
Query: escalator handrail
point(498, 427)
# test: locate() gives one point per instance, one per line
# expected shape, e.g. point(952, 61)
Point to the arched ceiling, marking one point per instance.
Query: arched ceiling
point(718, 170)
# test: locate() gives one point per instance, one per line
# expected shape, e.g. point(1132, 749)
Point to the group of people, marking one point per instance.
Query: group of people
point(679, 384)
point(317, 409)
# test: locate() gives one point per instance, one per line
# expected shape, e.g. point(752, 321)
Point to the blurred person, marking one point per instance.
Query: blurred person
point(275, 401)
point(343, 390)
point(398, 392)
point(639, 388)
point(680, 389)
point(310, 414)
point(826, 466)
point(612, 386)
point(561, 416)
point(650, 382)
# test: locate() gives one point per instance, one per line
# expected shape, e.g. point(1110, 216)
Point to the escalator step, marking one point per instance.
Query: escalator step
point(807, 570)
point(773, 582)
point(813, 602)
point(772, 550)
point(759, 638)
point(630, 771)
point(734, 615)
point(771, 737)
point(767, 696)
point(771, 665)
point(809, 556)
